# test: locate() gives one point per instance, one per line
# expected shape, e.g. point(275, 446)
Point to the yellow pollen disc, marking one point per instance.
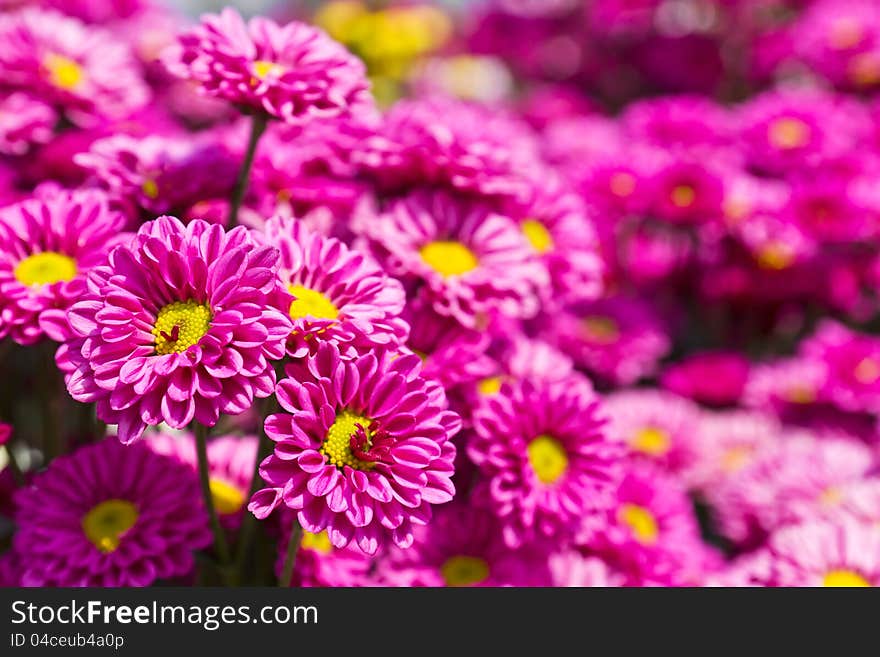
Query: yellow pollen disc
point(337, 444)
point(490, 386)
point(192, 320)
point(864, 69)
point(640, 521)
point(318, 542)
point(63, 72)
point(537, 235)
point(651, 441)
point(775, 256)
point(845, 33)
point(45, 268)
point(845, 578)
point(548, 459)
point(262, 68)
point(683, 196)
point(801, 395)
point(735, 458)
point(227, 498)
point(831, 496)
point(105, 523)
point(867, 371)
point(464, 571)
point(150, 188)
point(601, 329)
point(787, 133)
point(622, 184)
point(449, 258)
point(311, 303)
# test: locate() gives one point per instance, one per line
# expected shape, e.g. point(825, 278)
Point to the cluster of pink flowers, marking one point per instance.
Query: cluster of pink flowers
point(618, 329)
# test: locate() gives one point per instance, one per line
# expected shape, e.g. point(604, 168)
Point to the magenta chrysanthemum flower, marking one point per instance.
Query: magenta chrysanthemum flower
point(109, 515)
point(784, 383)
point(176, 327)
point(573, 569)
point(339, 295)
point(688, 123)
point(84, 71)
point(293, 72)
point(320, 563)
point(48, 245)
point(363, 449)
point(441, 141)
point(544, 458)
point(462, 547)
point(651, 532)
point(471, 260)
point(618, 338)
point(710, 377)
point(231, 461)
point(656, 426)
point(824, 554)
point(853, 366)
point(24, 120)
point(786, 484)
point(161, 173)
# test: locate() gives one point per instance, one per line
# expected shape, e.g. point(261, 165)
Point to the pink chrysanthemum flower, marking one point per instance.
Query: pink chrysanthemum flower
point(651, 531)
point(709, 377)
point(320, 563)
point(573, 569)
point(293, 72)
point(784, 383)
point(824, 554)
point(786, 484)
point(441, 141)
point(177, 327)
point(84, 71)
point(339, 295)
point(544, 458)
point(471, 260)
point(109, 515)
point(656, 426)
point(688, 123)
point(24, 121)
point(618, 338)
point(231, 461)
point(853, 366)
point(161, 173)
point(363, 448)
point(729, 441)
point(462, 547)
point(48, 245)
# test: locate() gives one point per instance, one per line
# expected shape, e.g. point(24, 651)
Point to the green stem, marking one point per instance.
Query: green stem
point(220, 545)
point(259, 122)
point(17, 474)
point(249, 521)
point(290, 558)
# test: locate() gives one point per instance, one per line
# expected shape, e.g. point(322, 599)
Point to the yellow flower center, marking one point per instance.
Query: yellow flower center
point(831, 496)
point(180, 325)
point(622, 184)
point(735, 458)
point(449, 258)
point(63, 72)
point(651, 441)
point(537, 235)
point(548, 459)
point(787, 133)
point(867, 371)
point(490, 386)
point(845, 578)
point(864, 69)
point(337, 444)
point(641, 523)
point(105, 523)
point(845, 33)
point(311, 303)
point(150, 188)
point(800, 394)
point(263, 67)
point(775, 256)
point(464, 571)
point(227, 498)
point(683, 196)
point(601, 329)
point(45, 268)
point(319, 542)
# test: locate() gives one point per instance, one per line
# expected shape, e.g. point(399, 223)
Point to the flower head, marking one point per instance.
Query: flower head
point(109, 515)
point(363, 447)
point(25, 120)
point(177, 326)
